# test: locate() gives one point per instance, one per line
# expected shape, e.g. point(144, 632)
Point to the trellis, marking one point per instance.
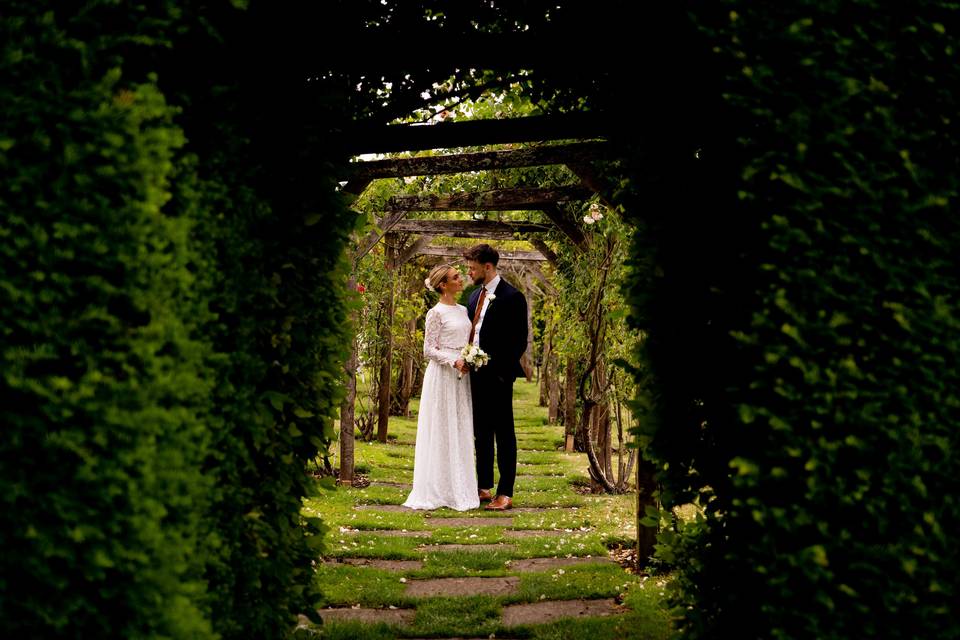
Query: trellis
point(578, 156)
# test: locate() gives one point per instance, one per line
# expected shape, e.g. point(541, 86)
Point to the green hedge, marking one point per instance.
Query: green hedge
point(103, 385)
point(799, 280)
point(173, 329)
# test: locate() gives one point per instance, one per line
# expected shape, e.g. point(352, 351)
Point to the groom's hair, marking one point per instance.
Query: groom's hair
point(482, 253)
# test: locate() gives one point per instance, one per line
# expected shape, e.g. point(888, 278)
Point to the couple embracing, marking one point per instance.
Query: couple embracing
point(466, 410)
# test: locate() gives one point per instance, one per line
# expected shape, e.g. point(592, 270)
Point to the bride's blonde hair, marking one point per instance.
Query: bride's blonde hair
point(438, 275)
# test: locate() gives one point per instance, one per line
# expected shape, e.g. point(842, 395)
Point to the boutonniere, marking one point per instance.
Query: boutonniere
point(491, 297)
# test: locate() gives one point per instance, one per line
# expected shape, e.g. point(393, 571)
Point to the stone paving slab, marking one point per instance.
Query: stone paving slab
point(371, 616)
point(470, 522)
point(463, 587)
point(467, 547)
point(389, 533)
point(545, 564)
point(376, 563)
point(546, 533)
point(389, 508)
point(384, 483)
point(552, 610)
point(545, 474)
point(394, 508)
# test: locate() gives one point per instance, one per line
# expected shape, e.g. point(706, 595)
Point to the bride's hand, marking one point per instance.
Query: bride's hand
point(460, 366)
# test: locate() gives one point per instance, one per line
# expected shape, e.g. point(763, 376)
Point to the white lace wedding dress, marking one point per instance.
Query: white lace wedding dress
point(444, 471)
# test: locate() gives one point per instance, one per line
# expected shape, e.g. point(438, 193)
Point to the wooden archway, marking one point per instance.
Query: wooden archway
point(578, 156)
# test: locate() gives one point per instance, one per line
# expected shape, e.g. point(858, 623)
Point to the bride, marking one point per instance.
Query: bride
point(444, 471)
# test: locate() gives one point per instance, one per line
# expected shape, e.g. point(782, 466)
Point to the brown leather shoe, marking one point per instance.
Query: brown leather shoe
point(500, 503)
point(485, 495)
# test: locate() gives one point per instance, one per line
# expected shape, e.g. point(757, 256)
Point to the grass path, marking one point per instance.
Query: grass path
point(541, 570)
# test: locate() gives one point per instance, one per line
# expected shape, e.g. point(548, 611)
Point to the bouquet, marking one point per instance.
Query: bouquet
point(473, 356)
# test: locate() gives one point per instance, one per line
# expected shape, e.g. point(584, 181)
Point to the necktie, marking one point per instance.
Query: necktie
point(476, 314)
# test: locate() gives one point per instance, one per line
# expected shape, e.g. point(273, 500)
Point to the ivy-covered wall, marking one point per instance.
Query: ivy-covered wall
point(172, 327)
point(798, 277)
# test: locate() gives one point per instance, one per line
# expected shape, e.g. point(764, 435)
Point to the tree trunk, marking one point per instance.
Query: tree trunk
point(553, 412)
point(624, 469)
point(545, 373)
point(386, 335)
point(570, 404)
point(596, 471)
point(601, 422)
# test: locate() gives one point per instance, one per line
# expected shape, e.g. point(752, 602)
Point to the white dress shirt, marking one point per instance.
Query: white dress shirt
point(490, 287)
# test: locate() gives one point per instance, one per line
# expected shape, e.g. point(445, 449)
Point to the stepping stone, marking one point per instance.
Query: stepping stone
point(545, 564)
point(545, 474)
point(469, 522)
point(371, 616)
point(463, 587)
point(549, 611)
point(467, 547)
point(384, 483)
point(535, 533)
point(390, 533)
point(389, 565)
point(389, 508)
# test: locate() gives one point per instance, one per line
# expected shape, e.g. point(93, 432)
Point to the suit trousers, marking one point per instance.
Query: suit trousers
point(493, 422)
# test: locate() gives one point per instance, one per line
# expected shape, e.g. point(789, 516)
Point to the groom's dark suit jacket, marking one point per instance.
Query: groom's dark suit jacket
point(503, 334)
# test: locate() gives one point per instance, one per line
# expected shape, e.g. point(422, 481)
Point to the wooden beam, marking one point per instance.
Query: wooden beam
point(534, 271)
point(385, 224)
point(414, 249)
point(456, 252)
point(569, 154)
point(375, 138)
point(567, 226)
point(471, 228)
point(504, 263)
point(542, 247)
point(592, 180)
point(492, 200)
point(356, 185)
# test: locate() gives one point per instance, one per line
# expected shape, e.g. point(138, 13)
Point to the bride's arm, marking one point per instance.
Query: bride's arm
point(431, 339)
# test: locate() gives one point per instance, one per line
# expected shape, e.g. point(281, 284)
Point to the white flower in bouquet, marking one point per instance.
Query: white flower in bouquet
point(473, 356)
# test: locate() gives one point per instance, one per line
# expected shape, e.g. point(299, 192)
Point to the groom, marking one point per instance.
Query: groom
point(499, 314)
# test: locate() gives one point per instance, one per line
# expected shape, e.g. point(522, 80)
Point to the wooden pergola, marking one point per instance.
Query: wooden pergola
point(582, 143)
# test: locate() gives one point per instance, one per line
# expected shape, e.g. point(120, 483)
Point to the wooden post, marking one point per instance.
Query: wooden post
point(646, 496)
point(406, 372)
point(570, 404)
point(527, 360)
point(347, 409)
point(386, 335)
